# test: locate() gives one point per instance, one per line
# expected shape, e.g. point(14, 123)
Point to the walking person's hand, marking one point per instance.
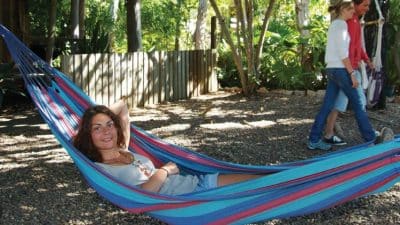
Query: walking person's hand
point(354, 81)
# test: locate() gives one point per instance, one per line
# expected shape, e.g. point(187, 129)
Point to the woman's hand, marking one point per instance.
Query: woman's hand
point(172, 168)
point(156, 181)
point(354, 80)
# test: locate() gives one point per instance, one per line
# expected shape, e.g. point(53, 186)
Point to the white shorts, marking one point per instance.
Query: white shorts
point(207, 181)
point(342, 100)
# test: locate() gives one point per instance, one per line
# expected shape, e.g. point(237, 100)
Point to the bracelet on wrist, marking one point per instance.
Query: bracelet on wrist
point(162, 168)
point(352, 72)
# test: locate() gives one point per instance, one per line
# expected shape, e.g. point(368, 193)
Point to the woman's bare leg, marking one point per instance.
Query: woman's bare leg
point(225, 179)
point(330, 123)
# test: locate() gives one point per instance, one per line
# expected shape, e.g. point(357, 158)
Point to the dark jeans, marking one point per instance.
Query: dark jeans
point(339, 79)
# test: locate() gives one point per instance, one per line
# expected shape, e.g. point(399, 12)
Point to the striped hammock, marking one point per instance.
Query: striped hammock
point(289, 189)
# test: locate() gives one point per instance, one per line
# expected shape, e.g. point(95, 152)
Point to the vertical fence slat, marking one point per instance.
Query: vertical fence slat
point(129, 79)
point(162, 75)
point(140, 81)
point(97, 78)
point(123, 75)
point(180, 84)
point(196, 73)
point(168, 81)
point(185, 70)
point(155, 62)
point(145, 78)
point(191, 73)
point(135, 76)
point(104, 80)
point(91, 82)
point(174, 76)
point(78, 74)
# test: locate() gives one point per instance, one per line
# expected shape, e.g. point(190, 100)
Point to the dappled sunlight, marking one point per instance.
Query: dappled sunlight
point(42, 190)
point(27, 208)
point(40, 179)
point(237, 113)
point(16, 154)
point(224, 126)
point(2, 119)
point(40, 126)
point(237, 125)
point(62, 185)
point(75, 194)
point(25, 159)
point(216, 95)
point(261, 123)
point(172, 128)
point(4, 166)
point(282, 137)
point(294, 121)
point(148, 117)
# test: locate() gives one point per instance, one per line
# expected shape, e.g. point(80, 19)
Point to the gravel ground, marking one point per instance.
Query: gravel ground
point(40, 184)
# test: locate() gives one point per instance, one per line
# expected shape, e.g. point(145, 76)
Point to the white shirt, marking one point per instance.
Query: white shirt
point(337, 47)
point(141, 169)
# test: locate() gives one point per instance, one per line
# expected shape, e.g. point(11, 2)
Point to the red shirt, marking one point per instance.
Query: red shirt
point(356, 52)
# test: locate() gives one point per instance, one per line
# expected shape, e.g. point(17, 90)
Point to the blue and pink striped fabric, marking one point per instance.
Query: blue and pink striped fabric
point(287, 190)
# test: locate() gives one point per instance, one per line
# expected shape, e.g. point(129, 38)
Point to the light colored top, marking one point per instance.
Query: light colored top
point(141, 169)
point(337, 47)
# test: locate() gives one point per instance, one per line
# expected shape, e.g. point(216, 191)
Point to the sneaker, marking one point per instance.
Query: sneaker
point(319, 145)
point(385, 135)
point(334, 140)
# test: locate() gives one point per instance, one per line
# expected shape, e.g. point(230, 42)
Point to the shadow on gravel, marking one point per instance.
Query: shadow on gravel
point(39, 182)
point(41, 185)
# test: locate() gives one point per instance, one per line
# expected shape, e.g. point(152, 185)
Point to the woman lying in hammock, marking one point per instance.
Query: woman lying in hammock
point(102, 138)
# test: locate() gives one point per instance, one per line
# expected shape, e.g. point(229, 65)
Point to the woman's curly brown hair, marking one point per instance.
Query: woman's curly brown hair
point(83, 139)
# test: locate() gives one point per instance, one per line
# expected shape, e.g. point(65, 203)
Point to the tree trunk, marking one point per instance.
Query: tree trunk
point(133, 25)
point(82, 19)
point(199, 33)
point(235, 50)
point(3, 20)
point(10, 15)
point(302, 19)
point(178, 28)
point(51, 30)
point(75, 19)
point(114, 15)
point(74, 25)
point(264, 29)
point(396, 54)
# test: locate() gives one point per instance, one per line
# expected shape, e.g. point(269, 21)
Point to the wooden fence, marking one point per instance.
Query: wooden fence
point(145, 78)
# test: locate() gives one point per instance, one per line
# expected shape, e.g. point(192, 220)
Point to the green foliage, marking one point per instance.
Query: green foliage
point(393, 50)
point(227, 73)
point(162, 20)
point(281, 63)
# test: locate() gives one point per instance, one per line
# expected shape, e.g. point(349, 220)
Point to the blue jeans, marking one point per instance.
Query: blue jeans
point(339, 79)
point(342, 101)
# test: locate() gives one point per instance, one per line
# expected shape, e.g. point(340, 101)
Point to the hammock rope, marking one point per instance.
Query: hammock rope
point(289, 189)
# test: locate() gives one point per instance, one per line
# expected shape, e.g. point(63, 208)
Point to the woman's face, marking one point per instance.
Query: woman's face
point(347, 13)
point(362, 8)
point(103, 132)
